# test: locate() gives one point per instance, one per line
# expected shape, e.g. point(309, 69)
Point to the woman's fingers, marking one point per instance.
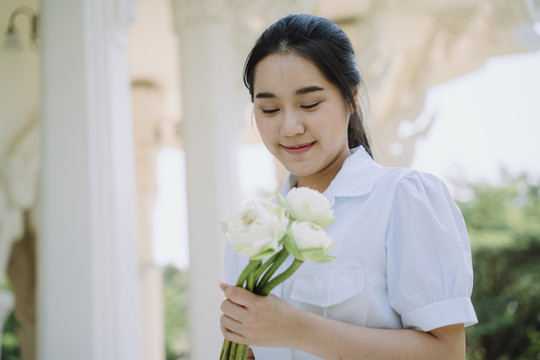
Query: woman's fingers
point(238, 295)
point(231, 324)
point(223, 286)
point(229, 329)
point(233, 310)
point(254, 319)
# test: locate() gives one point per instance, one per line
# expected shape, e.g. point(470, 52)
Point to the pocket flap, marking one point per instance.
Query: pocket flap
point(327, 287)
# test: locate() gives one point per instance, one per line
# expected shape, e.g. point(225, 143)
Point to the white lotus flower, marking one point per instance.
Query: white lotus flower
point(310, 205)
point(308, 241)
point(257, 229)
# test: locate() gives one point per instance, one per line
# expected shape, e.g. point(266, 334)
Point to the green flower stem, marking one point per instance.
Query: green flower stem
point(231, 350)
point(281, 277)
point(250, 283)
point(267, 263)
point(252, 265)
point(253, 274)
point(225, 349)
point(241, 352)
point(250, 276)
point(280, 259)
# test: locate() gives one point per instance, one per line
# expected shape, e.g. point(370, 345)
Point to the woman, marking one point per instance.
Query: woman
point(401, 283)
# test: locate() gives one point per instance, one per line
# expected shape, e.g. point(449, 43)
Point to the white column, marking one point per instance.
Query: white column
point(211, 126)
point(88, 306)
point(146, 107)
point(215, 38)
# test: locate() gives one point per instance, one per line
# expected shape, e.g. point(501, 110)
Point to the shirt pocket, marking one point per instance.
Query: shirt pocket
point(329, 287)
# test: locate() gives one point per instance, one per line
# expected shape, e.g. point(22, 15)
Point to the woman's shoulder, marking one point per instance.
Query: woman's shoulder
point(405, 179)
point(409, 188)
point(362, 170)
point(420, 185)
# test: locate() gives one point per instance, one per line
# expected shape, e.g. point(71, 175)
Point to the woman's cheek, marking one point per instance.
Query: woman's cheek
point(265, 128)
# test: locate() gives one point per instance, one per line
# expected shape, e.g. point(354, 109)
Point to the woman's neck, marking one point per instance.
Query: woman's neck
point(322, 179)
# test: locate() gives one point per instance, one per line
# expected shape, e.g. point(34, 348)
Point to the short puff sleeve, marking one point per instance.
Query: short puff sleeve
point(429, 265)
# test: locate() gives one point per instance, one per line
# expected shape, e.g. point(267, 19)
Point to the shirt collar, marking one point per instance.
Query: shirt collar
point(356, 177)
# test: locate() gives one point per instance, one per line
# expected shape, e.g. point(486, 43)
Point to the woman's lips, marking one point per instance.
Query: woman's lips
point(298, 149)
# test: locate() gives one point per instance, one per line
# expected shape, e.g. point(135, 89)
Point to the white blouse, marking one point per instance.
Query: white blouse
point(403, 257)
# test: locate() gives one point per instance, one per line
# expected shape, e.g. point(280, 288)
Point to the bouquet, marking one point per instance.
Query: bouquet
point(268, 233)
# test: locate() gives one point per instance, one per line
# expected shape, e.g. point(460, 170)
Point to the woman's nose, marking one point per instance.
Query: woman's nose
point(291, 125)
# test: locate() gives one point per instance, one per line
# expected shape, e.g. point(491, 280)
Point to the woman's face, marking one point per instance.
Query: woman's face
point(302, 117)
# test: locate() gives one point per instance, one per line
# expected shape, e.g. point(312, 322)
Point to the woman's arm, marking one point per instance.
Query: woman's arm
point(331, 339)
point(270, 321)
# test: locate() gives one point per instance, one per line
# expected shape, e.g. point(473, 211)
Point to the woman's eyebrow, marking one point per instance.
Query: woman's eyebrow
point(265, 95)
point(301, 91)
point(308, 89)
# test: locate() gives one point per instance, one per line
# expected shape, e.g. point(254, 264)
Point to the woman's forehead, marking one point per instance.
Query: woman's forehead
point(287, 74)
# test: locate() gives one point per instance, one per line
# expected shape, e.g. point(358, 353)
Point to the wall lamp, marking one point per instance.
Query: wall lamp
point(12, 36)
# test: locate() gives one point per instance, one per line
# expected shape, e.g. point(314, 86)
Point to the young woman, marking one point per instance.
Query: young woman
point(401, 283)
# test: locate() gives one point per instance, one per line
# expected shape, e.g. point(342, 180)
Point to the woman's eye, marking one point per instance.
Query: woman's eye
point(269, 111)
point(311, 106)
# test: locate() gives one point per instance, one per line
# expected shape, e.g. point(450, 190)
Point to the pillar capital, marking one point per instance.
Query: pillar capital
point(125, 12)
point(120, 14)
point(189, 12)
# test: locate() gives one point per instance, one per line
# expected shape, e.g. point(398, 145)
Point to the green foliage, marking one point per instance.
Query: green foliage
point(10, 344)
point(175, 299)
point(504, 228)
point(4, 283)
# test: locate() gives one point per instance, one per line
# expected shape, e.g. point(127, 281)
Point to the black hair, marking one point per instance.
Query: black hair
point(325, 44)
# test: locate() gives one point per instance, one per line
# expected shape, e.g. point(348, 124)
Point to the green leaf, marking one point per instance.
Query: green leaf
point(318, 254)
point(325, 222)
point(291, 247)
point(327, 258)
point(285, 204)
point(263, 254)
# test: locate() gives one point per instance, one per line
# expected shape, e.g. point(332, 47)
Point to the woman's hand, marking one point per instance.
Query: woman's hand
point(269, 321)
point(256, 320)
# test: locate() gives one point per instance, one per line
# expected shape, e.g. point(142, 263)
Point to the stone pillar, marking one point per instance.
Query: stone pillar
point(215, 37)
point(146, 105)
point(88, 307)
point(211, 126)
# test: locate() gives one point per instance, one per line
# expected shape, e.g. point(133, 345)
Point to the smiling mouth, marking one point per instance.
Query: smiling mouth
point(298, 149)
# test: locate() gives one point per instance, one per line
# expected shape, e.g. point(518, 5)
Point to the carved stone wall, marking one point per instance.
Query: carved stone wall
point(405, 48)
point(19, 167)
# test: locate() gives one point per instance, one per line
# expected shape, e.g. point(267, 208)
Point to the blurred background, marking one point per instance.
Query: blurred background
point(126, 135)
